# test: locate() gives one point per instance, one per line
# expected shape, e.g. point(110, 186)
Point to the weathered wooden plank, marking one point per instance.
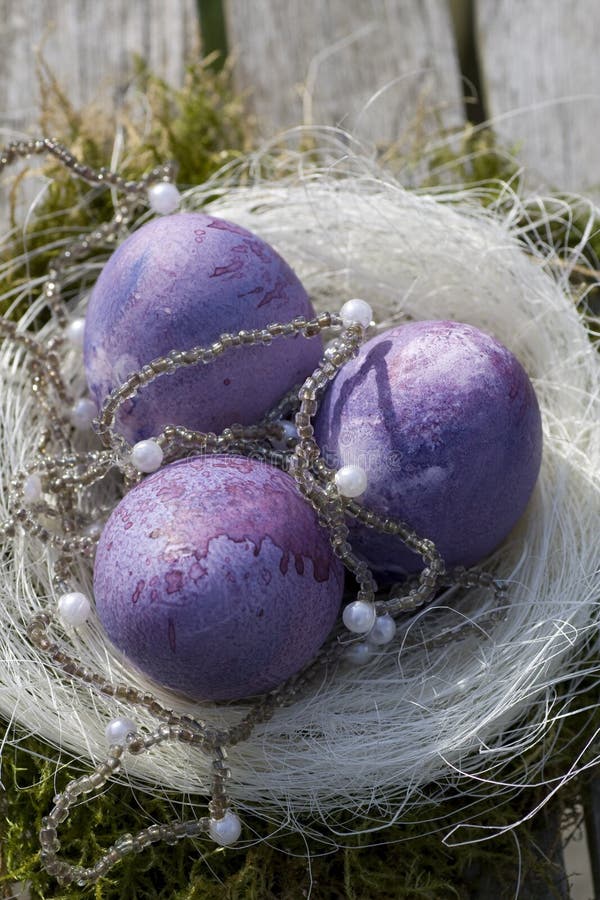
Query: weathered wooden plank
point(591, 800)
point(540, 73)
point(305, 61)
point(527, 883)
point(89, 45)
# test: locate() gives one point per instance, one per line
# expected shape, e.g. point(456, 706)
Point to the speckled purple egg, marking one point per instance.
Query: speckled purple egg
point(446, 424)
point(179, 282)
point(214, 577)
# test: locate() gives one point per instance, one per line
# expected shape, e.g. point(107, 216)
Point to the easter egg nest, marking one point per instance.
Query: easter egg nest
point(472, 679)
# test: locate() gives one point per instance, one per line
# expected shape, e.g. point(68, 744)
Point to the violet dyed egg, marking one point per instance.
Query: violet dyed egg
point(446, 424)
point(181, 281)
point(215, 579)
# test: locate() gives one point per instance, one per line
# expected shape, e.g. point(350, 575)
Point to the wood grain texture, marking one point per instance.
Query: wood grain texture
point(320, 63)
point(89, 45)
point(541, 81)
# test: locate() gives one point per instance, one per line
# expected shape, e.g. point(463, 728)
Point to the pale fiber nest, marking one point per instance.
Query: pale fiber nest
point(369, 741)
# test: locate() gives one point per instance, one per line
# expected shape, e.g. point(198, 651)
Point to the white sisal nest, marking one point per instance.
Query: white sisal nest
point(379, 741)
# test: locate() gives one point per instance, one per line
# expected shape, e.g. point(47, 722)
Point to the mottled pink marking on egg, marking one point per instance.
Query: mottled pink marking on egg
point(199, 593)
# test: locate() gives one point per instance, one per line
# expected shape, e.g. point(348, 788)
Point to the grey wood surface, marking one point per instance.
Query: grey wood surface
point(89, 45)
point(315, 62)
point(541, 83)
point(325, 62)
point(550, 882)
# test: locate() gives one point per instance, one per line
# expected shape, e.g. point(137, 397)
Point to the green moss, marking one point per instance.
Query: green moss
point(201, 126)
point(407, 861)
point(471, 157)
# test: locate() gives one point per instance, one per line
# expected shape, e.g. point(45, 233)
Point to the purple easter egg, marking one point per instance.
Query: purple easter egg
point(215, 579)
point(181, 281)
point(446, 424)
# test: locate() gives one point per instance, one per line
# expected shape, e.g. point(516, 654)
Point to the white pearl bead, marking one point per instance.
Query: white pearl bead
point(32, 488)
point(351, 481)
point(146, 456)
point(118, 730)
point(94, 529)
point(290, 432)
point(356, 311)
point(74, 609)
point(358, 654)
point(75, 332)
point(227, 830)
point(164, 198)
point(383, 630)
point(82, 414)
point(359, 616)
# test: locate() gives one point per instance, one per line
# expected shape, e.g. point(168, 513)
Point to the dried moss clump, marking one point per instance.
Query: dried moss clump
point(200, 126)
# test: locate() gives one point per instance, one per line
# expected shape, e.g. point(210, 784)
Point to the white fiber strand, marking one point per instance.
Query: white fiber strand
point(370, 740)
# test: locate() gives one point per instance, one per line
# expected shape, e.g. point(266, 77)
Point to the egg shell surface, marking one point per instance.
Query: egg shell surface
point(215, 579)
point(445, 422)
point(181, 281)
